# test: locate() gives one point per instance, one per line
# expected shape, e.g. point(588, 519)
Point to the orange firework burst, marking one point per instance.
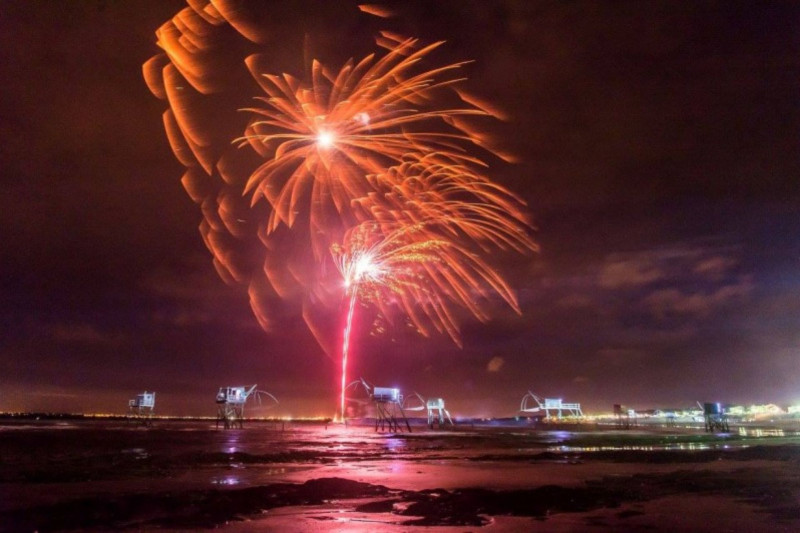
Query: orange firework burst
point(461, 202)
point(322, 138)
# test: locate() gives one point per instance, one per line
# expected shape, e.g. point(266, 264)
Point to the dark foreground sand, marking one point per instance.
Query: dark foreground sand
point(354, 480)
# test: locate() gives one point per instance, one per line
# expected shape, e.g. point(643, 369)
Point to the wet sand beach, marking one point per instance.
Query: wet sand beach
point(94, 475)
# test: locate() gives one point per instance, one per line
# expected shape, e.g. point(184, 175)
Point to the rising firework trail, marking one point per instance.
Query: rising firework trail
point(362, 259)
point(346, 347)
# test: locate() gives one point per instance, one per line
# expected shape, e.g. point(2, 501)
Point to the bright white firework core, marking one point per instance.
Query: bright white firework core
point(364, 267)
point(325, 139)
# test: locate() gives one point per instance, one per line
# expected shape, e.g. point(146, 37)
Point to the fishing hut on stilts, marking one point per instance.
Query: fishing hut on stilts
point(231, 402)
point(141, 407)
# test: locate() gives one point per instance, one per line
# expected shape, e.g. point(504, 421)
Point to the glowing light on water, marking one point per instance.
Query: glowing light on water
point(687, 446)
point(229, 481)
point(395, 445)
point(761, 432)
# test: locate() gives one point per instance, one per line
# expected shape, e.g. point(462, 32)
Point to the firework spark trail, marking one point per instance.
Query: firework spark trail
point(200, 76)
point(463, 203)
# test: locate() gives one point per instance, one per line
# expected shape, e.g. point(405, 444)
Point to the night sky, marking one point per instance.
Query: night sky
point(658, 153)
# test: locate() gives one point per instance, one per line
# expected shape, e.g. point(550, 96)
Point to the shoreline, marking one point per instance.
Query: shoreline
point(120, 476)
